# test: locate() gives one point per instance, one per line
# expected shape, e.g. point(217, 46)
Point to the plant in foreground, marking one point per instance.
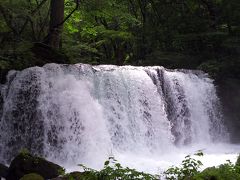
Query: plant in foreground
point(113, 170)
point(189, 168)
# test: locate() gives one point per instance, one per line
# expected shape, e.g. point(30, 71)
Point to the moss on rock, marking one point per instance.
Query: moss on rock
point(32, 176)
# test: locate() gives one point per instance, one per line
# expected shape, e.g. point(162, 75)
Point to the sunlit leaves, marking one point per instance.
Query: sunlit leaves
point(188, 169)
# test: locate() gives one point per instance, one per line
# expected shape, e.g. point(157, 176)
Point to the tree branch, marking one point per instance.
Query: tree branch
point(7, 19)
point(32, 13)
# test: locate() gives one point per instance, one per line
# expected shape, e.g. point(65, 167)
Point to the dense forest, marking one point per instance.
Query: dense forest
point(194, 34)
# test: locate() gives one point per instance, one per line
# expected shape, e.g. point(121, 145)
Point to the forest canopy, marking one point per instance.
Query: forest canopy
point(195, 34)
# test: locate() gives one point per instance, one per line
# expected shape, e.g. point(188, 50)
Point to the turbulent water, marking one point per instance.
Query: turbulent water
point(82, 114)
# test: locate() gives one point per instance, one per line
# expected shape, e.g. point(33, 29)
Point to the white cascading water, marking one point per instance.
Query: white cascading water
point(75, 114)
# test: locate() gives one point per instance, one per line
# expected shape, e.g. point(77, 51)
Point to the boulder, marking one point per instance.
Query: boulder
point(32, 176)
point(25, 163)
point(3, 171)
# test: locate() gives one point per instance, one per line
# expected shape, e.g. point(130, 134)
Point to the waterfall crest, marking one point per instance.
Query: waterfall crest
point(82, 114)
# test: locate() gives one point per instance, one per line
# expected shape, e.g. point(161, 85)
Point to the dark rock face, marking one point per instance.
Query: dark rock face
point(3, 170)
point(229, 93)
point(26, 128)
point(25, 163)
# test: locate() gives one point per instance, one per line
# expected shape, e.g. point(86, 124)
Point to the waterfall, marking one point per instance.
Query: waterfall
point(82, 114)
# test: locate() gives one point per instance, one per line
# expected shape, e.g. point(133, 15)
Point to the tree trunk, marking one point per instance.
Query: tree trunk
point(211, 7)
point(56, 23)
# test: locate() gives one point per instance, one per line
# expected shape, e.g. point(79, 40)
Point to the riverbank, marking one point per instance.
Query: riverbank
point(29, 167)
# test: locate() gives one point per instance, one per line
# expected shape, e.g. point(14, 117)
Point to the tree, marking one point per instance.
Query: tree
point(56, 23)
point(136, 32)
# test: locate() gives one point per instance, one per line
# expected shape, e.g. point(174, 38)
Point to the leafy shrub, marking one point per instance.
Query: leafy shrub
point(188, 169)
point(113, 170)
point(225, 171)
point(209, 173)
point(238, 161)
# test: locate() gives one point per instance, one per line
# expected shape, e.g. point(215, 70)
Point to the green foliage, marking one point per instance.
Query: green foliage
point(188, 169)
point(102, 28)
point(113, 170)
point(209, 173)
point(200, 42)
point(24, 151)
point(176, 34)
point(4, 64)
point(225, 171)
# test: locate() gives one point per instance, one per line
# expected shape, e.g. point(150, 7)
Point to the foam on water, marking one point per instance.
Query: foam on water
point(213, 156)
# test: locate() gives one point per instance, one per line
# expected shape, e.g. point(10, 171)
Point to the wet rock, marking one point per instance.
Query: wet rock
point(3, 170)
point(26, 163)
point(229, 94)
